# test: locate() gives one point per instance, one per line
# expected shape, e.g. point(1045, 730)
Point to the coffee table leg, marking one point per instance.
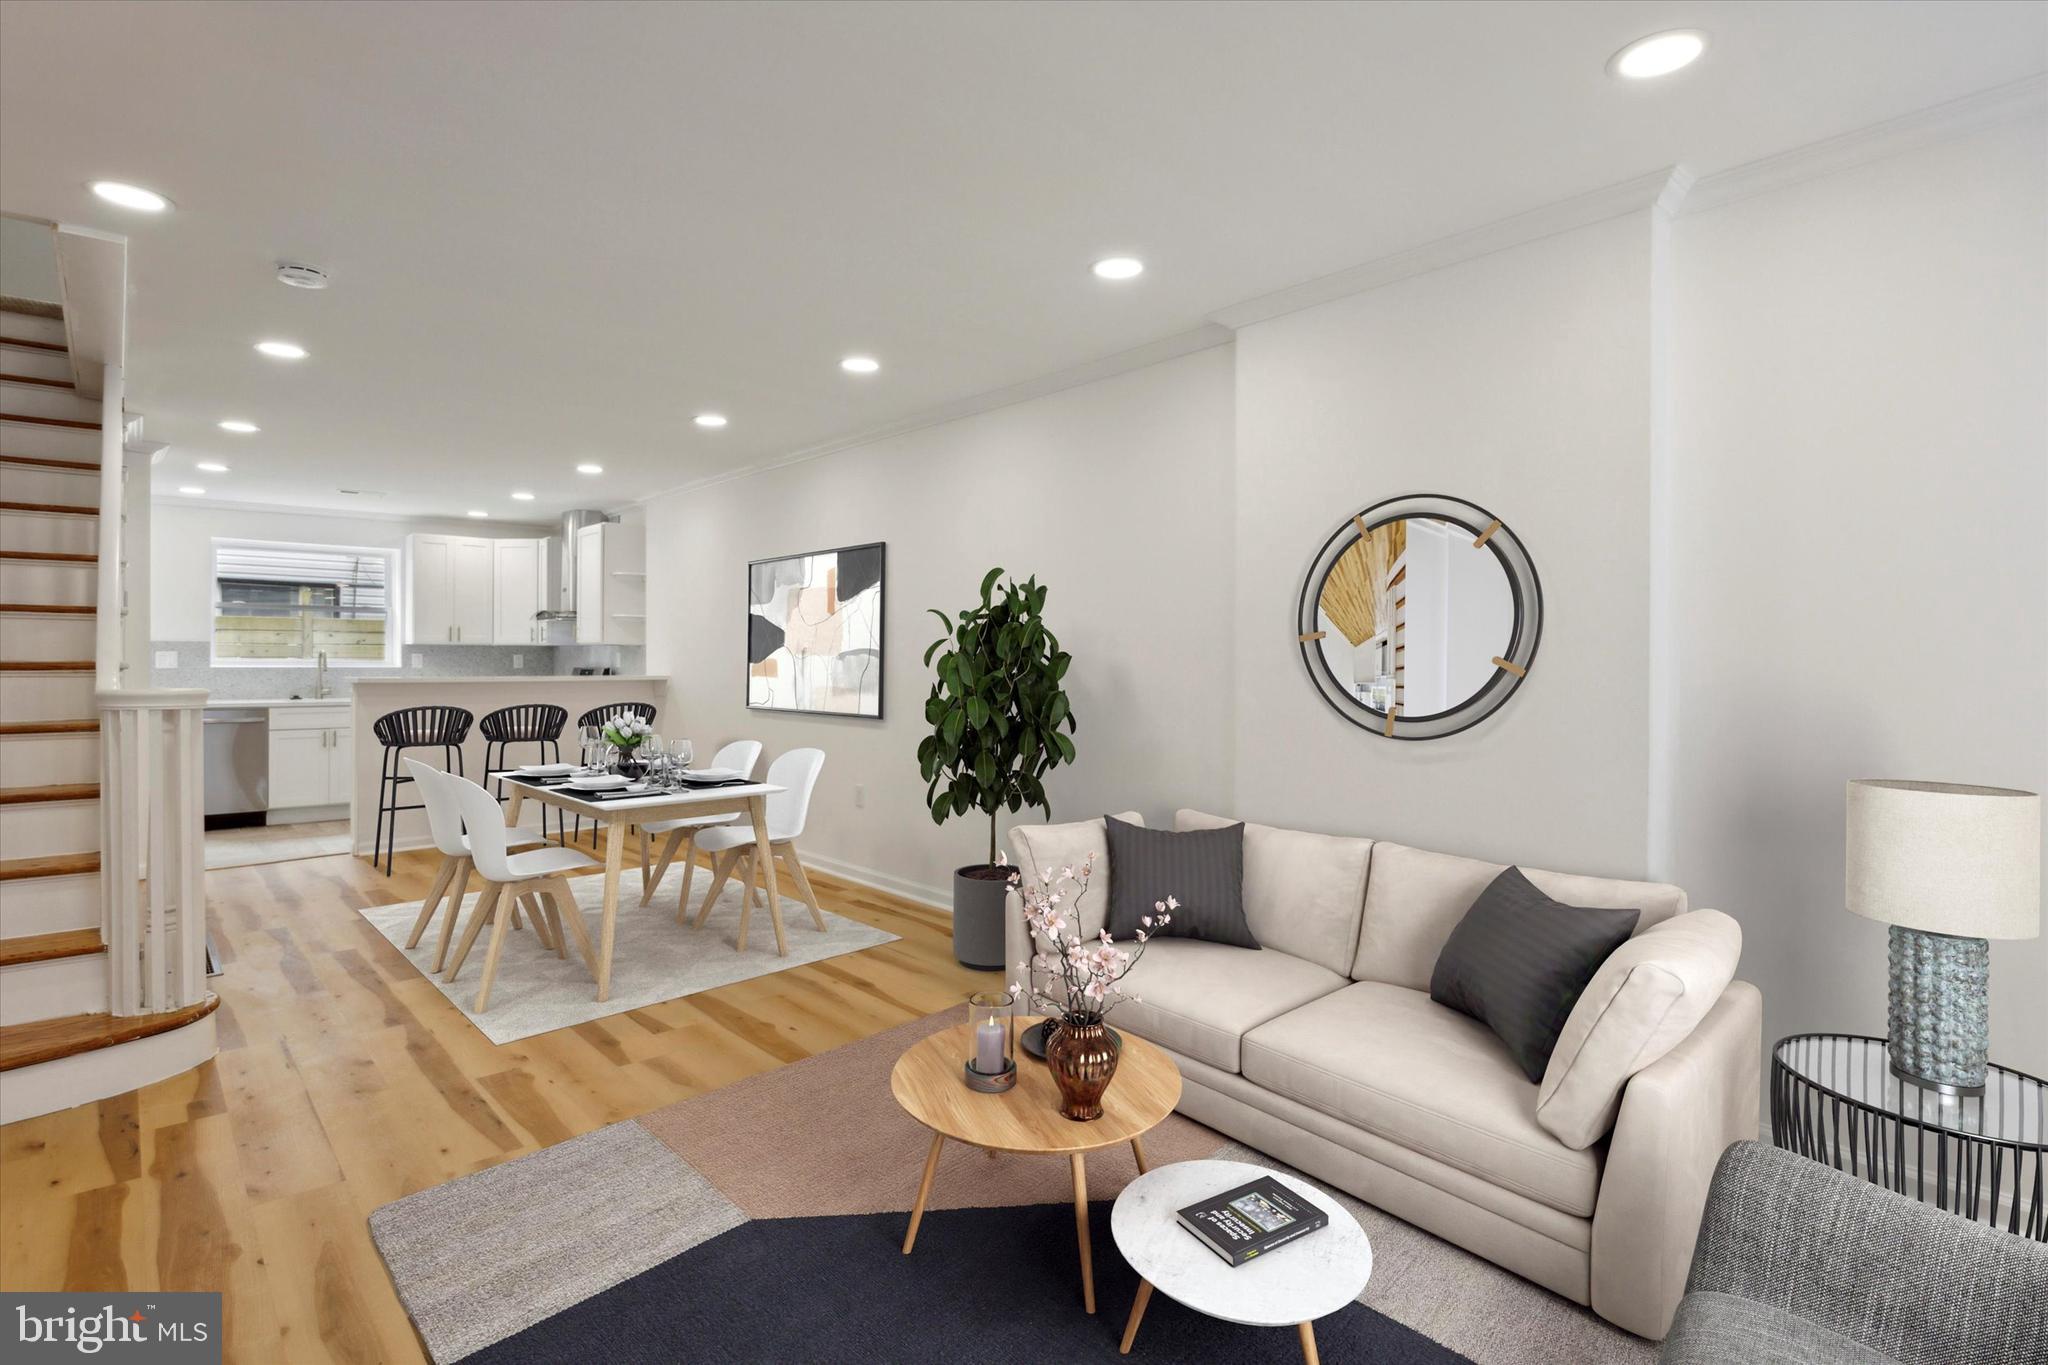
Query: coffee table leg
point(1137, 1314)
point(924, 1190)
point(1138, 1151)
point(1308, 1343)
point(1081, 1232)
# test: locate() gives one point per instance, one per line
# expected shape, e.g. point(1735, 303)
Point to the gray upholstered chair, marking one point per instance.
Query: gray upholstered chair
point(1797, 1262)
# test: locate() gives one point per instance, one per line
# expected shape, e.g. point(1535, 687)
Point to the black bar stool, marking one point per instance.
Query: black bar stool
point(535, 723)
point(416, 727)
point(601, 716)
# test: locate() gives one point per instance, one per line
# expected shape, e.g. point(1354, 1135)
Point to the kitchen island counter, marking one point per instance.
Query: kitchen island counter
point(374, 697)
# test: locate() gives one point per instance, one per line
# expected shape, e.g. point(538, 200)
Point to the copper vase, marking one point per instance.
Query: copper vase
point(1082, 1059)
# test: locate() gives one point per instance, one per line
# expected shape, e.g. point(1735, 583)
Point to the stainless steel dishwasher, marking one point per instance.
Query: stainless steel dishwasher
point(237, 765)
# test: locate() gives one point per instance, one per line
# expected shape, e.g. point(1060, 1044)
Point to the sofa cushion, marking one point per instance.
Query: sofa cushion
point(1414, 898)
point(1646, 999)
point(1303, 893)
point(1394, 1062)
point(1202, 870)
point(1048, 848)
point(1713, 1329)
point(1518, 961)
point(1199, 999)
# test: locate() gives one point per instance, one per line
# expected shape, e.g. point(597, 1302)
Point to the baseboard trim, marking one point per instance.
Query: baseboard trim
point(928, 896)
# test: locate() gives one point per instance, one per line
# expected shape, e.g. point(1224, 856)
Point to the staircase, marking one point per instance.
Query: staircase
point(77, 1023)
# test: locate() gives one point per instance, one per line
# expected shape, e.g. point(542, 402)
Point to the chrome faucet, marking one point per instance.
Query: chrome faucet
point(320, 679)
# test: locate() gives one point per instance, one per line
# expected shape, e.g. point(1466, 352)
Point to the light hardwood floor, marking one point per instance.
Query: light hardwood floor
point(345, 1081)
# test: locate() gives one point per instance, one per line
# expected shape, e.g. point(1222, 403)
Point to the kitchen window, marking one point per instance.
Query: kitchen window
point(283, 605)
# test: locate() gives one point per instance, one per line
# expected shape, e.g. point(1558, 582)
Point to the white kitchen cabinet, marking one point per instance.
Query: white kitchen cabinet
point(519, 572)
point(611, 584)
point(312, 756)
point(450, 590)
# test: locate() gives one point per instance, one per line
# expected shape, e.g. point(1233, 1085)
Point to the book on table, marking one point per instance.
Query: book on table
point(1252, 1220)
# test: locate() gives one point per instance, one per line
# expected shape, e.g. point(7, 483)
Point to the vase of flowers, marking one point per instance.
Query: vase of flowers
point(1074, 979)
point(626, 732)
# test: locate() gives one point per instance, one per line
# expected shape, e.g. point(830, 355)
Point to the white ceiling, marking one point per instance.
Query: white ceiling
point(556, 231)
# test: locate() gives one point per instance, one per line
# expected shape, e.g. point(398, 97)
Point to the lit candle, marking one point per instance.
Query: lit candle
point(988, 1047)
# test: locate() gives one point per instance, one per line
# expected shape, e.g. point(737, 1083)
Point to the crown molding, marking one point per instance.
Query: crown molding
point(485, 529)
point(1203, 338)
point(1657, 189)
point(1924, 127)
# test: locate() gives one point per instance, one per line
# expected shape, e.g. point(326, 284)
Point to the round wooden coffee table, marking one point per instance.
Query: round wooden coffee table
point(1027, 1118)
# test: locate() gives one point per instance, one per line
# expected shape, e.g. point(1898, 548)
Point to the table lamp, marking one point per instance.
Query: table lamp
point(1947, 867)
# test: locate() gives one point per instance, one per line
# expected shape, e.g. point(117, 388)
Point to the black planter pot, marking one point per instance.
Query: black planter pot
point(978, 903)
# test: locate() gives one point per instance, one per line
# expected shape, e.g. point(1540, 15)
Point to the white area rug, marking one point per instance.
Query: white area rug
point(654, 958)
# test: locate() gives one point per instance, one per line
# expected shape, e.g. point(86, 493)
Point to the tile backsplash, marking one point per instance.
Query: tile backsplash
point(194, 668)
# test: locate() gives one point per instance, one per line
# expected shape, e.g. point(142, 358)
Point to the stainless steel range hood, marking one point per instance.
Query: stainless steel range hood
point(562, 559)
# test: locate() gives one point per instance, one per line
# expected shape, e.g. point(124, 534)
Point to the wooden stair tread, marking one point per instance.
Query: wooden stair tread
point(6, 378)
point(70, 422)
point(47, 609)
point(50, 947)
point(49, 727)
point(45, 665)
point(58, 791)
point(47, 1040)
point(26, 344)
point(49, 865)
point(73, 509)
point(45, 462)
point(54, 556)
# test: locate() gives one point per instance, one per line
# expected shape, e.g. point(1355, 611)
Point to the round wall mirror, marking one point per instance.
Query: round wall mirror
point(1419, 616)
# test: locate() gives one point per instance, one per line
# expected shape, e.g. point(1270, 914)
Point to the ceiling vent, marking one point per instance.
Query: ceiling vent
point(364, 492)
point(301, 276)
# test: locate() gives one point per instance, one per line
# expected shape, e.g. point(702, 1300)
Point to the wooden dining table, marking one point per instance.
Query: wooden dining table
point(748, 799)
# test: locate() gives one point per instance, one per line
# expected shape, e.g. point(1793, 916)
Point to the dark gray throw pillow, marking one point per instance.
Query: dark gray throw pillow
point(1519, 960)
point(1203, 869)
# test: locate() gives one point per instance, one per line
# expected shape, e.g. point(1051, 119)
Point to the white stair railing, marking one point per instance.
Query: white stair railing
point(152, 848)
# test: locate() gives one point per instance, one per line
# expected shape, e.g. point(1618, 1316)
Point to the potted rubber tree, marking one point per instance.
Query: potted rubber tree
point(1000, 721)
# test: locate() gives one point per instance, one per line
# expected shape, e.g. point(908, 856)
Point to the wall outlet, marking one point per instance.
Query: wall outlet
point(167, 658)
point(860, 795)
point(518, 661)
point(419, 661)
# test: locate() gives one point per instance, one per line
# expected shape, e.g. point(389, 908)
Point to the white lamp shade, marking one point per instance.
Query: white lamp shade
point(1944, 858)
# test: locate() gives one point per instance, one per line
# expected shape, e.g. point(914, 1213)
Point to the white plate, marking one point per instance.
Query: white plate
point(714, 774)
point(547, 769)
point(597, 783)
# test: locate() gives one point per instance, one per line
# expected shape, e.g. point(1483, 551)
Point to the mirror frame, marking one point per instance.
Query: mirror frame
point(1510, 667)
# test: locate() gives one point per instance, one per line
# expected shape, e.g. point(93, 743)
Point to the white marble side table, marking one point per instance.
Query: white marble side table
point(1290, 1286)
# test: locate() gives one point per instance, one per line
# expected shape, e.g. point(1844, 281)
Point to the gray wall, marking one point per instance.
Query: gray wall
point(1782, 465)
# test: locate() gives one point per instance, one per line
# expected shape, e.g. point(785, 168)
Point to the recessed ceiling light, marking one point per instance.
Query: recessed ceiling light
point(193, 490)
point(301, 276)
point(521, 495)
point(238, 426)
point(1119, 268)
point(130, 196)
point(860, 364)
point(475, 513)
point(710, 419)
point(1660, 54)
point(590, 469)
point(282, 350)
point(211, 467)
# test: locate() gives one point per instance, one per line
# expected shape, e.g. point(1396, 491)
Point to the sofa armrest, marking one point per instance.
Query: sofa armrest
point(1900, 1278)
point(1677, 1117)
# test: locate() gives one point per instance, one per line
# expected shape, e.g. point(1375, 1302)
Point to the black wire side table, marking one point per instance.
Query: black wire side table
point(1835, 1100)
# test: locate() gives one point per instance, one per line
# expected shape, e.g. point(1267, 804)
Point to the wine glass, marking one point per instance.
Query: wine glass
point(681, 752)
point(591, 736)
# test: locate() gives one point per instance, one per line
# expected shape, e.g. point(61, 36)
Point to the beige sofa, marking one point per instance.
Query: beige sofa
point(1324, 1049)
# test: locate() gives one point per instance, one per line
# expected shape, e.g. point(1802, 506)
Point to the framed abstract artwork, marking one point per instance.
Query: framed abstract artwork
point(814, 632)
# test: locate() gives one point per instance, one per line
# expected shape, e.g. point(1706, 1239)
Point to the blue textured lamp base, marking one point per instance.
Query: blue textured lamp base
point(1940, 1015)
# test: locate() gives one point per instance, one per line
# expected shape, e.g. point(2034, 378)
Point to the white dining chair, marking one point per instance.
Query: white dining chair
point(508, 876)
point(451, 879)
point(732, 846)
point(741, 755)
